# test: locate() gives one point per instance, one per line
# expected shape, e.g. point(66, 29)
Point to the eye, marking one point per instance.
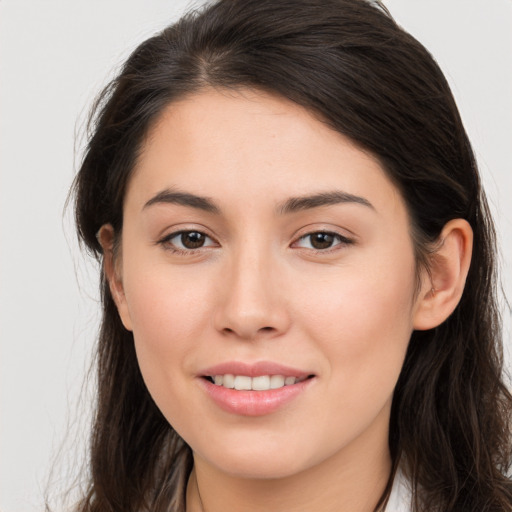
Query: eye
point(184, 241)
point(321, 240)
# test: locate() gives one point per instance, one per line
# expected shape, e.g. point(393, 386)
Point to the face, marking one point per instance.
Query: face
point(262, 250)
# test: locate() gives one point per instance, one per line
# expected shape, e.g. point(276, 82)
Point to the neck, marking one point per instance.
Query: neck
point(351, 480)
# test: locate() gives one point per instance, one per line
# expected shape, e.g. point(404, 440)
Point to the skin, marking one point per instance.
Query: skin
point(259, 290)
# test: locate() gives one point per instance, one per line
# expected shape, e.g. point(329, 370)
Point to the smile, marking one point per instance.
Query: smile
point(255, 389)
point(259, 383)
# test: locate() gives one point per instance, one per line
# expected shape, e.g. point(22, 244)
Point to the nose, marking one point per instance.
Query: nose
point(252, 301)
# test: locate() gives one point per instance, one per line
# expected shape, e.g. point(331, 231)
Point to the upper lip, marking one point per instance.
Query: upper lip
point(253, 369)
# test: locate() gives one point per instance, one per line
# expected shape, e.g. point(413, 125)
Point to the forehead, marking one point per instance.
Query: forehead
point(248, 146)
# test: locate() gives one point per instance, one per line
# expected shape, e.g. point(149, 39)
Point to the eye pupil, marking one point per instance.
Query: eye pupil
point(192, 239)
point(322, 240)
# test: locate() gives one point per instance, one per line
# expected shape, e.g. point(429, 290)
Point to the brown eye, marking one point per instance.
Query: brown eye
point(184, 241)
point(192, 239)
point(322, 240)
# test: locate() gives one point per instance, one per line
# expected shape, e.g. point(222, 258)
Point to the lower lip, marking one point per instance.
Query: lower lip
point(254, 403)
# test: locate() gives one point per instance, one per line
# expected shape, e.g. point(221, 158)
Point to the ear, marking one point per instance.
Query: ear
point(442, 287)
point(112, 269)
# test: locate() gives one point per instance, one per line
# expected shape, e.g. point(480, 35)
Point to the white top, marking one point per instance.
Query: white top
point(400, 498)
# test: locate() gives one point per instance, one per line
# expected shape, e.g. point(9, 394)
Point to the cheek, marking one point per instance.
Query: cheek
point(163, 303)
point(168, 312)
point(362, 319)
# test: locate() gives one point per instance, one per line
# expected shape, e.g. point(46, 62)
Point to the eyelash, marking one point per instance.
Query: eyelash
point(340, 239)
point(166, 241)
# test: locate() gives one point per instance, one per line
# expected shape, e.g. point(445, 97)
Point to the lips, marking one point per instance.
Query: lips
point(254, 389)
point(254, 369)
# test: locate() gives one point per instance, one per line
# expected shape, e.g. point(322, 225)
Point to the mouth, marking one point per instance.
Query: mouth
point(257, 383)
point(255, 389)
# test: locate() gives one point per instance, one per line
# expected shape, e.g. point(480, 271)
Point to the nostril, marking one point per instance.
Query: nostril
point(249, 328)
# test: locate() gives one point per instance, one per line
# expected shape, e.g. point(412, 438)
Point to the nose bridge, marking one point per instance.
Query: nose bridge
point(253, 305)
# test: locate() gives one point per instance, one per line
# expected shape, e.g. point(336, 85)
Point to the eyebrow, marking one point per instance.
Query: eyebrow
point(169, 196)
point(291, 205)
point(295, 204)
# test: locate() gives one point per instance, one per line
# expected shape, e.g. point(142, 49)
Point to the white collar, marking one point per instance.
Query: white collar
point(400, 497)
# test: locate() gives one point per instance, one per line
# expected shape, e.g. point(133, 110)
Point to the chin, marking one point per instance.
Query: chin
point(260, 458)
point(261, 467)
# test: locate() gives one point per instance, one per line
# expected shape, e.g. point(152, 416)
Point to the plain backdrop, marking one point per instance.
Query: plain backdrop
point(55, 55)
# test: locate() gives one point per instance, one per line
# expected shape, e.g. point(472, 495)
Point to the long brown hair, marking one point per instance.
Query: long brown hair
point(348, 62)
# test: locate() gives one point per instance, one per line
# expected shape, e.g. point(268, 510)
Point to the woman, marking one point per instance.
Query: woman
point(299, 284)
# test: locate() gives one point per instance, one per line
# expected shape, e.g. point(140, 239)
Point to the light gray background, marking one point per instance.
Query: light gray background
point(54, 57)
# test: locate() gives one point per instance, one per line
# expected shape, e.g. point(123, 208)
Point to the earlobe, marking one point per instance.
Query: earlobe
point(111, 267)
point(449, 265)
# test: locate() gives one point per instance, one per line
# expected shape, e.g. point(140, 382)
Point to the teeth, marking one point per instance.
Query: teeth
point(228, 381)
point(243, 383)
point(277, 381)
point(260, 383)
